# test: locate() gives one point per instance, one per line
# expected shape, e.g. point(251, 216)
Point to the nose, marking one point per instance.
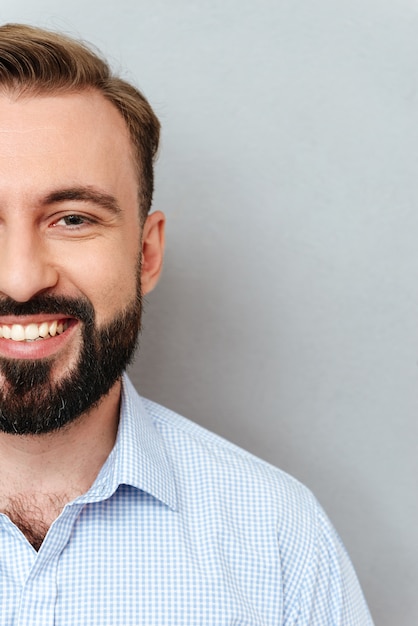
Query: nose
point(25, 267)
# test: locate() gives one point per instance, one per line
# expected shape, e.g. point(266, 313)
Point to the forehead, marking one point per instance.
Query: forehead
point(78, 136)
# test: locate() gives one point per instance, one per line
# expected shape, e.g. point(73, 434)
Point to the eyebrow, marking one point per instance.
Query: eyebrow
point(84, 194)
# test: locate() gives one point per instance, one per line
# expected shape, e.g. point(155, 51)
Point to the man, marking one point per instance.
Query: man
point(115, 511)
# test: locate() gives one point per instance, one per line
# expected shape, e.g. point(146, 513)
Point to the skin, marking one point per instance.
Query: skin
point(49, 144)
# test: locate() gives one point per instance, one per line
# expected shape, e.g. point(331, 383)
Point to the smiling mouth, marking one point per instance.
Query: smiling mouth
point(34, 332)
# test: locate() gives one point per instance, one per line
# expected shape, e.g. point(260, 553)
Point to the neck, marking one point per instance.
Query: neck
point(62, 462)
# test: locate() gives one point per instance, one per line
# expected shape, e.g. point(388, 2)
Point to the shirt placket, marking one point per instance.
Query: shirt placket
point(40, 591)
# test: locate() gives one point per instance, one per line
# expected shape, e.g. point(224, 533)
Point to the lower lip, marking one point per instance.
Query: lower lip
point(39, 349)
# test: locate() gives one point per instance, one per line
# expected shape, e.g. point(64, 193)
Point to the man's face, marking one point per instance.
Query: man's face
point(70, 254)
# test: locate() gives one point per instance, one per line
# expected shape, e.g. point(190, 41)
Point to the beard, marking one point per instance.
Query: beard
point(31, 402)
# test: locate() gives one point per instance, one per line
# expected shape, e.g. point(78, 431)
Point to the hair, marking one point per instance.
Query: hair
point(34, 61)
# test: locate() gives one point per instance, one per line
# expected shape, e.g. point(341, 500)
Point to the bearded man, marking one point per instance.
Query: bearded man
point(114, 510)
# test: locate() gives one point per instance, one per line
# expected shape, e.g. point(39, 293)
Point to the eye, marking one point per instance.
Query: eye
point(72, 220)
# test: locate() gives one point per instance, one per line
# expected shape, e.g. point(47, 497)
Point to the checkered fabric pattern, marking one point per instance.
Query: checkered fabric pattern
point(181, 528)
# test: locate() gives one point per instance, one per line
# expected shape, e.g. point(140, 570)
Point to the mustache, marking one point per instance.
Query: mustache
point(79, 308)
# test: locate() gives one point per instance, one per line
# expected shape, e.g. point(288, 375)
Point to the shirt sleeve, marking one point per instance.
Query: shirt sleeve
point(330, 593)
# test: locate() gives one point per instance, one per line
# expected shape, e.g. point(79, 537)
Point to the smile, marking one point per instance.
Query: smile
point(33, 332)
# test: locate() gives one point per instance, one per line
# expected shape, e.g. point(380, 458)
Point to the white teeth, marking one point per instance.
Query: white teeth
point(43, 329)
point(32, 332)
point(18, 333)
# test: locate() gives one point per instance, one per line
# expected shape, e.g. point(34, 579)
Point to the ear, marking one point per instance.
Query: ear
point(153, 240)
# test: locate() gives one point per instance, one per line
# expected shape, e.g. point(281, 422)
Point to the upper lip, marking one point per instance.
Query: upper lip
point(24, 320)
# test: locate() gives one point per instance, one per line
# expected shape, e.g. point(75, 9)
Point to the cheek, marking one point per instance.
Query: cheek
point(114, 294)
point(108, 281)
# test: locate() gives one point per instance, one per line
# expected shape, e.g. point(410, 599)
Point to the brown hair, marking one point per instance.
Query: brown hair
point(37, 61)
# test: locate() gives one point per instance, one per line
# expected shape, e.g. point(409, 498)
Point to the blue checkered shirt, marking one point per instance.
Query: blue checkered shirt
point(181, 528)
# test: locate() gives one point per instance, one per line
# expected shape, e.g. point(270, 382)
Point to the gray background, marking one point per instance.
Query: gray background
point(286, 319)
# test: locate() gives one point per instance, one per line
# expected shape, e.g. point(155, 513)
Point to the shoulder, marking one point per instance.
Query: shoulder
point(198, 452)
point(222, 471)
point(265, 514)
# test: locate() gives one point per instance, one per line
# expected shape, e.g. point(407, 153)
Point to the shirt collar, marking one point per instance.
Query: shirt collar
point(138, 458)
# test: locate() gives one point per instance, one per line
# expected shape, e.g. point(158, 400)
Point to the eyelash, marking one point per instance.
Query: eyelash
point(82, 220)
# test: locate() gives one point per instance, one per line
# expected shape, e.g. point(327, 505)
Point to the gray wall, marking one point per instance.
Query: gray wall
point(286, 319)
